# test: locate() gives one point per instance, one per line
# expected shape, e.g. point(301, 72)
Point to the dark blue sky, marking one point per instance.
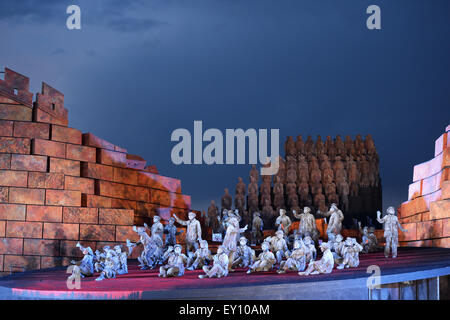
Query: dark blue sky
point(137, 70)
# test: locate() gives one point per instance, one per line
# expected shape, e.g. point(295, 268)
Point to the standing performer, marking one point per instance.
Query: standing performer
point(390, 225)
point(193, 232)
point(230, 240)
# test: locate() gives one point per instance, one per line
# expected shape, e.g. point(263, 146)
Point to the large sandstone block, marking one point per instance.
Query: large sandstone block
point(63, 198)
point(5, 161)
point(2, 229)
point(156, 181)
point(4, 194)
point(181, 201)
point(68, 231)
point(97, 171)
point(116, 216)
point(44, 213)
point(80, 215)
point(136, 193)
point(68, 167)
point(15, 145)
point(428, 168)
point(442, 242)
point(113, 158)
point(126, 232)
point(94, 201)
point(136, 162)
point(123, 204)
point(124, 175)
point(26, 196)
point(440, 209)
point(6, 128)
point(109, 189)
point(46, 180)
point(40, 115)
point(411, 232)
point(49, 106)
point(94, 232)
point(41, 247)
point(16, 263)
point(65, 134)
point(440, 144)
point(51, 262)
point(15, 112)
point(446, 190)
point(84, 185)
point(13, 178)
point(432, 184)
point(31, 130)
point(81, 153)
point(19, 229)
point(93, 141)
point(446, 227)
point(48, 148)
point(12, 211)
point(413, 207)
point(414, 218)
point(11, 246)
point(69, 248)
point(429, 229)
point(28, 162)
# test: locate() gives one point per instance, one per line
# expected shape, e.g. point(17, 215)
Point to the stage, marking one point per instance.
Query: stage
point(413, 269)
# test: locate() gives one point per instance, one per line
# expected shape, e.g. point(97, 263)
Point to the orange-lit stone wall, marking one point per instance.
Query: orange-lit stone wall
point(59, 186)
point(426, 214)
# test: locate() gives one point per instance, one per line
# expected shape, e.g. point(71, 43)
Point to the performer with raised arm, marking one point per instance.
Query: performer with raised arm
point(390, 226)
point(193, 232)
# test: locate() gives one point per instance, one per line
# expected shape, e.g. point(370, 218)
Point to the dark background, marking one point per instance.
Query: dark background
point(137, 70)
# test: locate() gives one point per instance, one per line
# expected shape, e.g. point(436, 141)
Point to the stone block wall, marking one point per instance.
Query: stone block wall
point(59, 185)
point(426, 214)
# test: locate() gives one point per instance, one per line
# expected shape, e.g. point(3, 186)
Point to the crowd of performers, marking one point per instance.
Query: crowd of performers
point(283, 252)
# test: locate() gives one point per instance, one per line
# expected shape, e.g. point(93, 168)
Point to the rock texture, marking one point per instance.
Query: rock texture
point(59, 185)
point(426, 214)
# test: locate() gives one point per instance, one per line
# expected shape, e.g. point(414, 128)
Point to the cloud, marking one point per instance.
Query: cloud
point(121, 16)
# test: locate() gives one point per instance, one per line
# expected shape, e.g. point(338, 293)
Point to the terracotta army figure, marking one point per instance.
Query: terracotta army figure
point(319, 146)
point(349, 145)
point(369, 240)
point(264, 193)
point(343, 191)
point(193, 232)
point(230, 239)
point(85, 267)
point(300, 145)
point(226, 200)
point(257, 229)
point(254, 173)
point(220, 265)
point(309, 145)
point(239, 202)
point(289, 147)
point(324, 265)
point(303, 191)
point(278, 193)
point(340, 147)
point(307, 225)
point(265, 260)
point(244, 255)
point(279, 246)
point(157, 227)
point(334, 226)
point(201, 257)
point(296, 260)
point(240, 187)
point(283, 222)
point(175, 264)
point(390, 226)
point(213, 217)
point(319, 202)
point(365, 172)
point(350, 250)
point(252, 195)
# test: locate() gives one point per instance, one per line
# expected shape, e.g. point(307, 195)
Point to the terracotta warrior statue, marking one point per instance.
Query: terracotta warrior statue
point(390, 226)
point(307, 225)
point(213, 218)
point(227, 201)
point(254, 173)
point(324, 265)
point(193, 232)
point(278, 193)
point(240, 187)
